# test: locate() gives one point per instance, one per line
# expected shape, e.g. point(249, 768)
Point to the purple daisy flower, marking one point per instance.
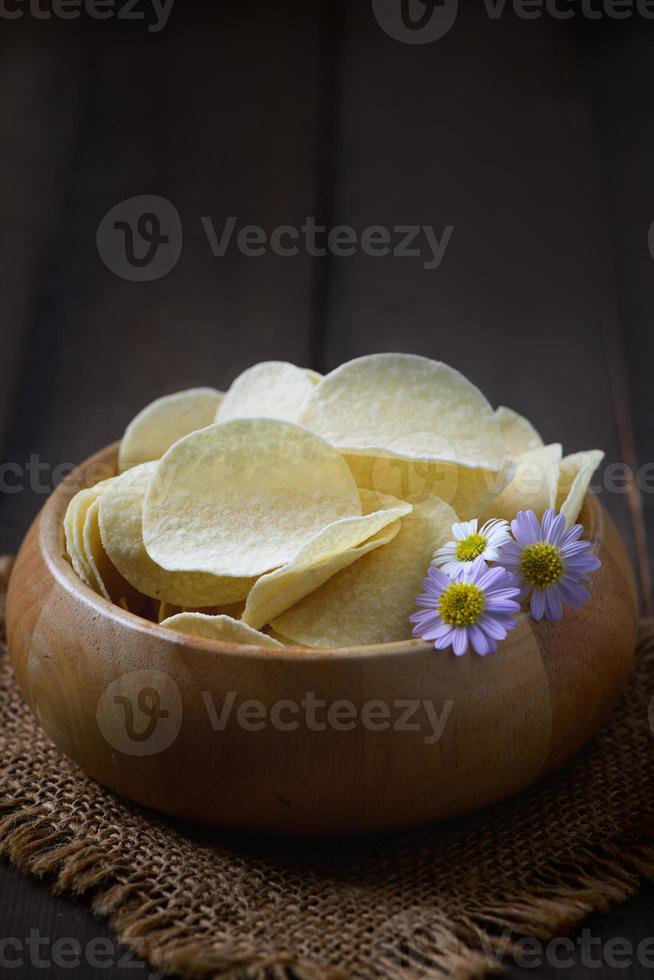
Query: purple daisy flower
point(550, 561)
point(477, 607)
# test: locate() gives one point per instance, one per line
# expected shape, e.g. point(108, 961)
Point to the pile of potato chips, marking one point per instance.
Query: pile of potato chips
point(301, 510)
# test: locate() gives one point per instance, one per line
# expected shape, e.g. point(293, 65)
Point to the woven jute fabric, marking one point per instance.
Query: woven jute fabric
point(451, 900)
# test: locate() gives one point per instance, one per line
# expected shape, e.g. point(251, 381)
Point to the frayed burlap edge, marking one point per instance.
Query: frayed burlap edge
point(30, 840)
point(465, 946)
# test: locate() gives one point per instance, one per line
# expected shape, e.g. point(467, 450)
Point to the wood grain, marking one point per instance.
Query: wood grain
point(210, 117)
point(83, 664)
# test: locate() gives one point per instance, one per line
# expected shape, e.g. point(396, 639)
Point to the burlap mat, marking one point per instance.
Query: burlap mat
point(445, 901)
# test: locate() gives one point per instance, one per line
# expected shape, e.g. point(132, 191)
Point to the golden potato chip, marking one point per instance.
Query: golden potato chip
point(518, 433)
point(272, 389)
point(74, 531)
point(109, 583)
point(333, 548)
point(164, 421)
point(466, 490)
point(371, 600)
point(243, 497)
point(532, 488)
point(121, 527)
point(222, 628)
point(285, 642)
point(575, 474)
point(166, 610)
point(407, 406)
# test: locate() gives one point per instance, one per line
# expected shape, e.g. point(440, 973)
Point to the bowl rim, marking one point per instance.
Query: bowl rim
point(49, 526)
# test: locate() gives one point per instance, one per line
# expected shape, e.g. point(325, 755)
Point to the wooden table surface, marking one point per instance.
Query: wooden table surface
point(533, 138)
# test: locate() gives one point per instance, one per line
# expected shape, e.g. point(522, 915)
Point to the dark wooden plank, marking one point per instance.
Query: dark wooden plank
point(621, 73)
point(474, 131)
point(37, 127)
point(57, 936)
point(210, 116)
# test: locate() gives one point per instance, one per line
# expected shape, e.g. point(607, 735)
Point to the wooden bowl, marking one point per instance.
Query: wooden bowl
point(404, 735)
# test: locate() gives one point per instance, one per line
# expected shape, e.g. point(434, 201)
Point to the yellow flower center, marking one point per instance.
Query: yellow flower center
point(541, 565)
point(471, 547)
point(461, 604)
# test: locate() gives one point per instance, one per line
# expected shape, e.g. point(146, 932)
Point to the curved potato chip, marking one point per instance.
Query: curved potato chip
point(74, 532)
point(335, 547)
point(407, 406)
point(166, 610)
point(371, 600)
point(285, 642)
point(532, 488)
point(121, 527)
point(272, 389)
point(164, 421)
point(518, 433)
point(575, 474)
point(466, 490)
point(219, 628)
point(109, 583)
point(242, 497)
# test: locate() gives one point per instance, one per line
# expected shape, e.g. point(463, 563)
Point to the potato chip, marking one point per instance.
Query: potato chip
point(518, 433)
point(371, 600)
point(121, 527)
point(243, 497)
point(166, 610)
point(164, 421)
point(222, 628)
point(532, 488)
point(285, 642)
point(466, 490)
point(109, 583)
point(74, 531)
point(335, 547)
point(407, 406)
point(575, 474)
point(272, 389)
